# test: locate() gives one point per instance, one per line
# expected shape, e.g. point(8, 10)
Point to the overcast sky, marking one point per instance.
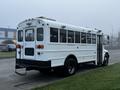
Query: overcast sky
point(101, 14)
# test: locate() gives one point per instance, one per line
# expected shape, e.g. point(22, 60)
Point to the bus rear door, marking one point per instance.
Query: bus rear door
point(29, 44)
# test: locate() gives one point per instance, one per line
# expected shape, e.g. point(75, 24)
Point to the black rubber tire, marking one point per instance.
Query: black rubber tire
point(106, 61)
point(70, 67)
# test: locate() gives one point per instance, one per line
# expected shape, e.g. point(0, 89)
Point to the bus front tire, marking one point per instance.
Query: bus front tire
point(106, 60)
point(70, 66)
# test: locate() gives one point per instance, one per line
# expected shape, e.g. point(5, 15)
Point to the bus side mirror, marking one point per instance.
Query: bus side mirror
point(108, 39)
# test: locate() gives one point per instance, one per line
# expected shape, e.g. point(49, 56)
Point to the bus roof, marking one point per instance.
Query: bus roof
point(56, 23)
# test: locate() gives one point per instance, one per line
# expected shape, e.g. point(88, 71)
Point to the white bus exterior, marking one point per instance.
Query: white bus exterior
point(45, 44)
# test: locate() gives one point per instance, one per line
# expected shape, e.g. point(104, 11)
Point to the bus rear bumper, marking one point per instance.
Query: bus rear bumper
point(32, 64)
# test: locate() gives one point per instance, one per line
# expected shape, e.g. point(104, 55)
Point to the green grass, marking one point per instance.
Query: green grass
point(7, 54)
point(104, 78)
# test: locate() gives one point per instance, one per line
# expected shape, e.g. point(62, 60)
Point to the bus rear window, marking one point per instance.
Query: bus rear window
point(29, 35)
point(20, 35)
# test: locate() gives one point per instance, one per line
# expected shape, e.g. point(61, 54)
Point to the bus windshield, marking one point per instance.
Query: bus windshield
point(29, 35)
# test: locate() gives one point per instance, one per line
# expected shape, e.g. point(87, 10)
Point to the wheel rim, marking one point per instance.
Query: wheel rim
point(106, 60)
point(71, 68)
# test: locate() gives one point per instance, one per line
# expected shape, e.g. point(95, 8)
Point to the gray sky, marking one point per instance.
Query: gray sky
point(101, 14)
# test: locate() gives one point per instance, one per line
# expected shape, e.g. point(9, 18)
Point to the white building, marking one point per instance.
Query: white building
point(7, 34)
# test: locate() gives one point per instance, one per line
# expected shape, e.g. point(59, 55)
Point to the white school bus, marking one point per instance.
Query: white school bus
point(44, 44)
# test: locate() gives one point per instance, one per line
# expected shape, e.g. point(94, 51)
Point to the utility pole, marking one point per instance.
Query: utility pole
point(112, 37)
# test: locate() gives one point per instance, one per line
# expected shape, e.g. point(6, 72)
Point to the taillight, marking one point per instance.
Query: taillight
point(40, 46)
point(19, 46)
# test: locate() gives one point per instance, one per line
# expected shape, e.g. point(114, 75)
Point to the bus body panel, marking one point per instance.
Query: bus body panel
point(83, 53)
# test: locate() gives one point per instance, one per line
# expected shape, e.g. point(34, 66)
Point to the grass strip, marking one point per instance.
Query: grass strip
point(103, 78)
point(7, 54)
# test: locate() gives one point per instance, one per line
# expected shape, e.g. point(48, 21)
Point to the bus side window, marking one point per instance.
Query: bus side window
point(83, 37)
point(77, 37)
point(93, 38)
point(53, 35)
point(63, 36)
point(40, 34)
point(89, 38)
point(70, 36)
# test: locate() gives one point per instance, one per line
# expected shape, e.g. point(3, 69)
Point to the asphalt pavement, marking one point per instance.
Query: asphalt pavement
point(11, 81)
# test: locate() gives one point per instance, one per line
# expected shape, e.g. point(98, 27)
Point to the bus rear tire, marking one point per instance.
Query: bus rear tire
point(70, 67)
